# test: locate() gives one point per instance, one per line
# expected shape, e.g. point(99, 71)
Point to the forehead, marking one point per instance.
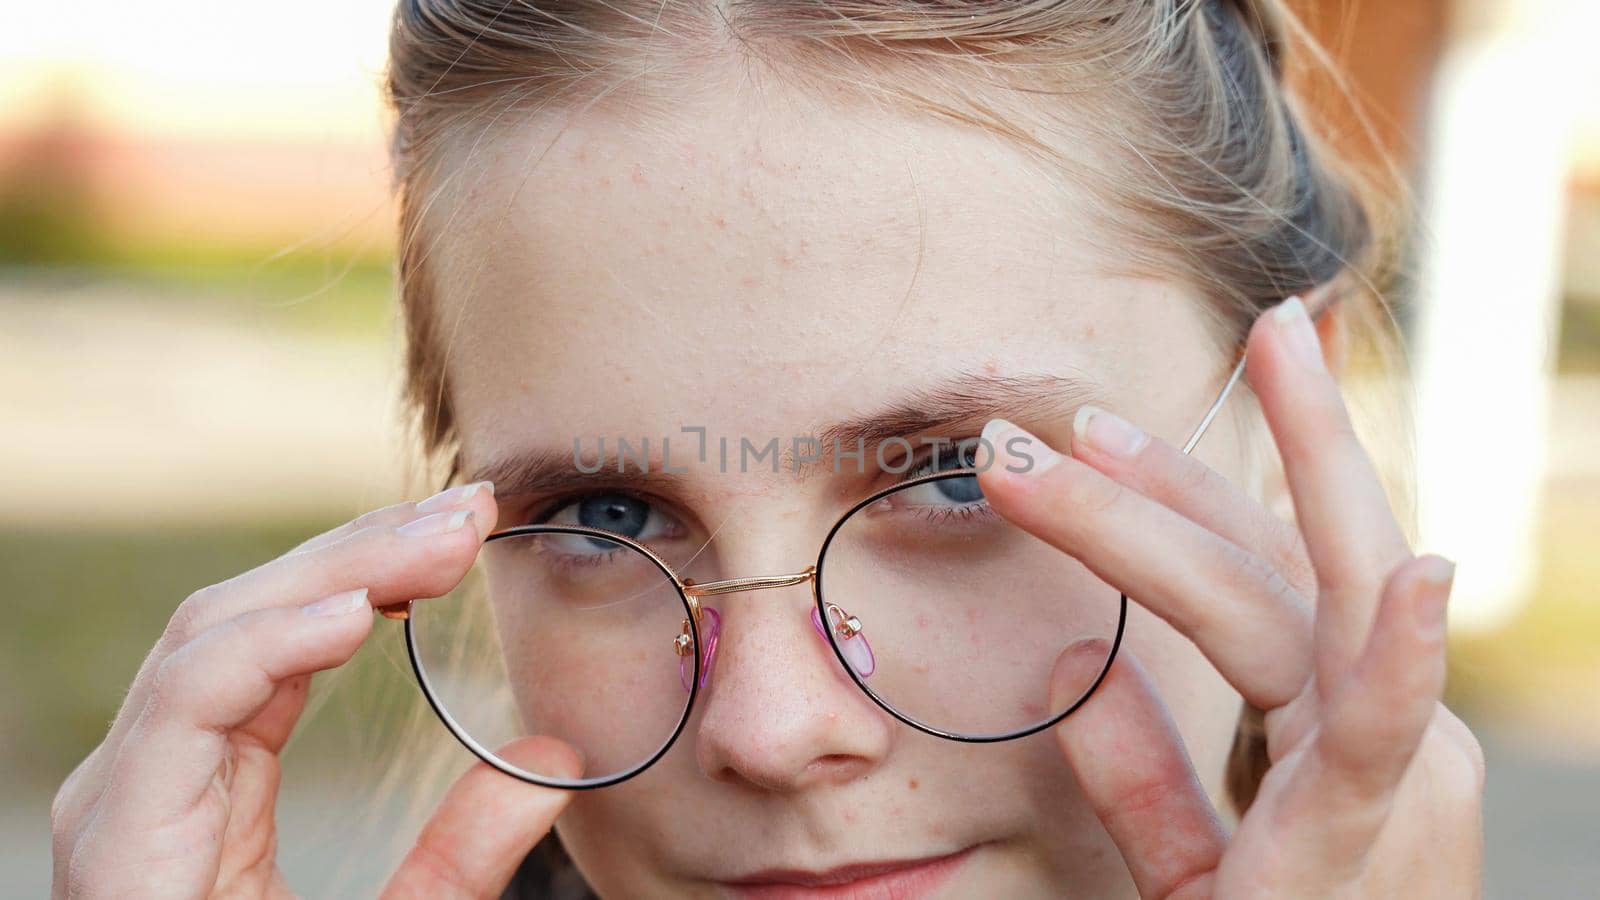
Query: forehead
point(760, 269)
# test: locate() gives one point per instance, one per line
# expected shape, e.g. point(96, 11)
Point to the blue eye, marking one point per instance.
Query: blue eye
point(959, 490)
point(619, 513)
point(946, 491)
point(614, 512)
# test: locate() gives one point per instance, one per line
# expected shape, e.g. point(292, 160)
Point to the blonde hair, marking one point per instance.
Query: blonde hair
point(1173, 116)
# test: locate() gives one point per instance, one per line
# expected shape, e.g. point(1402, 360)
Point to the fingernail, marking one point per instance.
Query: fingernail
point(1014, 449)
point(1299, 335)
point(451, 497)
point(1437, 576)
point(1097, 647)
point(337, 605)
point(438, 523)
point(1107, 432)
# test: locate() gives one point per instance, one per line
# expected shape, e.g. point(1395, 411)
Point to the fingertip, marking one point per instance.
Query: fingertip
point(1418, 593)
point(336, 606)
point(485, 511)
point(1430, 604)
point(1007, 457)
point(1077, 669)
point(339, 629)
point(546, 755)
point(1278, 339)
point(482, 831)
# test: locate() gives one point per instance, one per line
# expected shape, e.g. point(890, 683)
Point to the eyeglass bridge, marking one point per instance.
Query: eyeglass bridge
point(695, 591)
point(845, 626)
point(734, 585)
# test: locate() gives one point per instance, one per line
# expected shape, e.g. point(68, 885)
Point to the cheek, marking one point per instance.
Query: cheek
point(604, 680)
point(616, 835)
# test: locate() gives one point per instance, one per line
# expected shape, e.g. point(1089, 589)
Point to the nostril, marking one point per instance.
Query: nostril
point(710, 630)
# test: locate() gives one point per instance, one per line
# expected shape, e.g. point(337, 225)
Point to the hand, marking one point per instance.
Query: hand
point(1374, 788)
point(178, 800)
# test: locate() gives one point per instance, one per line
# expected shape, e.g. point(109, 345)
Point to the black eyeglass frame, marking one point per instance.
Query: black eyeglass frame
point(689, 593)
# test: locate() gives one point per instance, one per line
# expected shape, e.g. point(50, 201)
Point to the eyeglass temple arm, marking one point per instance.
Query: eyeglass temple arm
point(1216, 406)
point(1317, 300)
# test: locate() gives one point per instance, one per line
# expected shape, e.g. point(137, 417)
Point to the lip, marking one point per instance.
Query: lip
point(889, 880)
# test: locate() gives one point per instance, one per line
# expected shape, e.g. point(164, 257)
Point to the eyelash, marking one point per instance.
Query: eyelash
point(917, 462)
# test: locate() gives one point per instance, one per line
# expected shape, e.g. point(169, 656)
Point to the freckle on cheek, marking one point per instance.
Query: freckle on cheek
point(913, 784)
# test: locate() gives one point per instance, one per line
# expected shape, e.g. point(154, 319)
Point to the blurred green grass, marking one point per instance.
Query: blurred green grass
point(85, 606)
point(309, 291)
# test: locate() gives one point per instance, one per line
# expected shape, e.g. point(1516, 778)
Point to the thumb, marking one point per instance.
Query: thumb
point(486, 824)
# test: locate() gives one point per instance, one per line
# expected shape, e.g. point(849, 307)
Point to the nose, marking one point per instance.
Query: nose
point(780, 714)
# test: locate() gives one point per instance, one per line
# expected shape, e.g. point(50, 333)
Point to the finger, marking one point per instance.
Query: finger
point(424, 557)
point(485, 826)
point(211, 686)
point(1337, 797)
point(366, 556)
point(1241, 613)
point(1162, 472)
point(401, 513)
point(1128, 756)
point(1339, 501)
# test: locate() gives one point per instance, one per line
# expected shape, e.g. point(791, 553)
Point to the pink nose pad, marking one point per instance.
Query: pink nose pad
point(710, 629)
point(855, 648)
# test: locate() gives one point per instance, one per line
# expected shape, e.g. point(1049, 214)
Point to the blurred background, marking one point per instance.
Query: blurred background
point(199, 368)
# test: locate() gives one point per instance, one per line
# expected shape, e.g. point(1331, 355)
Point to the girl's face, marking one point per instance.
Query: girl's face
point(767, 275)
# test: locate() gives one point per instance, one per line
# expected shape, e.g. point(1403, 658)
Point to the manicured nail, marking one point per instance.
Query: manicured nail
point(1014, 449)
point(1437, 576)
point(1298, 333)
point(438, 523)
point(1107, 432)
point(337, 605)
point(452, 497)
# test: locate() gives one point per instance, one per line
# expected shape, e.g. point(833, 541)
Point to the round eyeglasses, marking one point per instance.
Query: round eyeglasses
point(944, 614)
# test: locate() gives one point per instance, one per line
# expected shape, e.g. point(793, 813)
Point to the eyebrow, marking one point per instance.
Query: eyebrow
point(963, 402)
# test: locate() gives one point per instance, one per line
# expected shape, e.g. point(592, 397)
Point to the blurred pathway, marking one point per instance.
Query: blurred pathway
point(122, 408)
